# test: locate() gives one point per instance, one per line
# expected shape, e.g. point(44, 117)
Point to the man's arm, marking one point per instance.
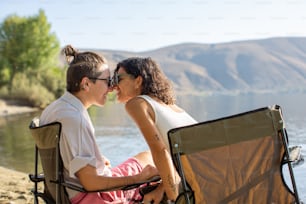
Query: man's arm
point(91, 181)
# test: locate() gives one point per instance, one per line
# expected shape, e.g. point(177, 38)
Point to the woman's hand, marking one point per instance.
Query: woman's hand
point(156, 196)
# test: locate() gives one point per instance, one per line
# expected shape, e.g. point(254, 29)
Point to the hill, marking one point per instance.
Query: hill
point(269, 65)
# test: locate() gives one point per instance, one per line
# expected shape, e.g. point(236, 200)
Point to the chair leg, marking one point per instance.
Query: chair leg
point(36, 200)
point(284, 137)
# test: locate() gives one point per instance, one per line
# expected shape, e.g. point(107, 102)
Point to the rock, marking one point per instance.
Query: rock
point(296, 155)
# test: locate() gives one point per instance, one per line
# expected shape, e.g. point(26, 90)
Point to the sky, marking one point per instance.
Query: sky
point(143, 25)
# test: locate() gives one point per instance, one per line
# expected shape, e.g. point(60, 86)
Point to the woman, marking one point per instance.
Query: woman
point(149, 100)
point(88, 82)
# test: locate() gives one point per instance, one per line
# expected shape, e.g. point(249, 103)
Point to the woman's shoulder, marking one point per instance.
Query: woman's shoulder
point(138, 106)
point(136, 101)
point(145, 97)
point(144, 101)
point(151, 99)
point(140, 99)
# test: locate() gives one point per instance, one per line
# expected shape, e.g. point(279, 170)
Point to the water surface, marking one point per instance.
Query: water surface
point(118, 137)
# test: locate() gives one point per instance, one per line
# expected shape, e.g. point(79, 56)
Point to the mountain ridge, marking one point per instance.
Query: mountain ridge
point(267, 65)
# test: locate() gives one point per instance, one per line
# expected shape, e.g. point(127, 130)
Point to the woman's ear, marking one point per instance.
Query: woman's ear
point(138, 82)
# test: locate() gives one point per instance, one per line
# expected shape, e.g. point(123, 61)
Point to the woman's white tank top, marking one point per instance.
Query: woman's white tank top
point(166, 118)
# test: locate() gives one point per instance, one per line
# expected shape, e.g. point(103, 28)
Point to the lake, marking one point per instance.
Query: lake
point(118, 137)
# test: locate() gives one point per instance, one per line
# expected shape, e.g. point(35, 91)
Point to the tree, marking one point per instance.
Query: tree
point(26, 45)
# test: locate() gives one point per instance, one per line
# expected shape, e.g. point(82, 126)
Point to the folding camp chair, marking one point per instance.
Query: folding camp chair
point(236, 159)
point(47, 138)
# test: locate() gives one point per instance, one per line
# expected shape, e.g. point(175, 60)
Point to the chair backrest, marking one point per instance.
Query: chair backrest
point(47, 142)
point(236, 159)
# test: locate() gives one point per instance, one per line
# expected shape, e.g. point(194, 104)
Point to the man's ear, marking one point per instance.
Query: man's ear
point(84, 83)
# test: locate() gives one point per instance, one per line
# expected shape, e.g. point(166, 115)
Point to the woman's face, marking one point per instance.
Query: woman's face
point(128, 87)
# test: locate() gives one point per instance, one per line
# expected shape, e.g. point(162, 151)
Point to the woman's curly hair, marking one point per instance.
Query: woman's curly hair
point(154, 83)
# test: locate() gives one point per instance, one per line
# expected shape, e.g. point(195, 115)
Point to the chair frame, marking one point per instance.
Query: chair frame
point(289, 162)
point(59, 177)
point(40, 177)
point(176, 156)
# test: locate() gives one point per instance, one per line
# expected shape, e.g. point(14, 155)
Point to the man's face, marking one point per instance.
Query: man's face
point(100, 88)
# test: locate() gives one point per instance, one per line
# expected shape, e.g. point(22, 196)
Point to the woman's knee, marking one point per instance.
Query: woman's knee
point(145, 158)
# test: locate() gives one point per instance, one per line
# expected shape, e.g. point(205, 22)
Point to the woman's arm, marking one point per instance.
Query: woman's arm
point(141, 112)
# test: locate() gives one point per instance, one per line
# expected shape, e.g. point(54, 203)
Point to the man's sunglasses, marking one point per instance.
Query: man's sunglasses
point(108, 80)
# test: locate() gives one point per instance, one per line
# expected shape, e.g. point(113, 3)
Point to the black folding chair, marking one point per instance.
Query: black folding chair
point(47, 138)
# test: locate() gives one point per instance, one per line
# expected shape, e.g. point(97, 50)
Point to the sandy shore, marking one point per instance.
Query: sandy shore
point(15, 187)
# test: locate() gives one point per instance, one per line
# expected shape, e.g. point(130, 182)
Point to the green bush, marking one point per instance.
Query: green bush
point(33, 94)
point(54, 80)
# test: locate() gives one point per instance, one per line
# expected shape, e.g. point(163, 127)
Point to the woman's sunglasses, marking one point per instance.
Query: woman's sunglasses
point(117, 78)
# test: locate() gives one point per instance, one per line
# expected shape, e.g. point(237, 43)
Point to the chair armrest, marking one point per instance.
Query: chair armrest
point(74, 186)
point(80, 188)
point(37, 178)
point(135, 185)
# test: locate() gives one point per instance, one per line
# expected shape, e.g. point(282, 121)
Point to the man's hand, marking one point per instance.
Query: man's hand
point(107, 163)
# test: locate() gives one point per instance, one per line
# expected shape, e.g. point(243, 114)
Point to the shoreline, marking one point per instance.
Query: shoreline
point(15, 185)
point(10, 108)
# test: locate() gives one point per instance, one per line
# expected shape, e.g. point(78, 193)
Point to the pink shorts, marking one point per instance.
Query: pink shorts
point(127, 168)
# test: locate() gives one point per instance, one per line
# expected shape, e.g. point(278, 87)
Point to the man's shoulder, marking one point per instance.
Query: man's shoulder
point(61, 111)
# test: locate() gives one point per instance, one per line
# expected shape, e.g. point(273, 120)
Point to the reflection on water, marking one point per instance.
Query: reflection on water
point(16, 144)
point(213, 107)
point(116, 132)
